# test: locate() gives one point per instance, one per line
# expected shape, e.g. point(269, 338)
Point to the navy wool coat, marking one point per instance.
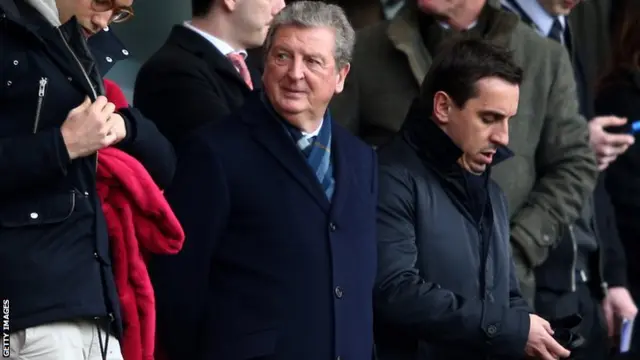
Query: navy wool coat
point(270, 269)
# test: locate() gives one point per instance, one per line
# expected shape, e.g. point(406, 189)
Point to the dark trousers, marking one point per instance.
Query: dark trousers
point(550, 305)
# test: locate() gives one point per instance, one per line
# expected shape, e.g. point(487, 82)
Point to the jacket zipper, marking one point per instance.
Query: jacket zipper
point(574, 261)
point(84, 73)
point(596, 231)
point(42, 88)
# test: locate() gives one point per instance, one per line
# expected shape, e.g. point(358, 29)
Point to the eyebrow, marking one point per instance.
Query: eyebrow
point(493, 113)
point(314, 55)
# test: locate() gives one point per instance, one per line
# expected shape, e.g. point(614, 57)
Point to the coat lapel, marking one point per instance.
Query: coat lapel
point(404, 35)
point(342, 173)
point(273, 137)
point(201, 47)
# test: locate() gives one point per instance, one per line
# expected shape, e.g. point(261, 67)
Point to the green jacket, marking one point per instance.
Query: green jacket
point(553, 170)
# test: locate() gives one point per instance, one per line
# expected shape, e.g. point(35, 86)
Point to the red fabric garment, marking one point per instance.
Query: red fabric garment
point(115, 94)
point(140, 223)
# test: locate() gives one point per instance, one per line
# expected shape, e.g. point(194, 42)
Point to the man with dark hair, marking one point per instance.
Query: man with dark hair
point(201, 70)
point(446, 286)
point(553, 170)
point(57, 284)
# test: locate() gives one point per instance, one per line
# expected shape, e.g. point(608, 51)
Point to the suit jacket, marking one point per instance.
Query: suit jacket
point(270, 269)
point(188, 82)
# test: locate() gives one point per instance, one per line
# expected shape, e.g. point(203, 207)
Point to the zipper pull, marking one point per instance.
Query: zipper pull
point(43, 86)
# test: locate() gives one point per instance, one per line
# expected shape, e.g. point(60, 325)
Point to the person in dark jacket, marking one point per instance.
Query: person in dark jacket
point(57, 279)
point(587, 268)
point(203, 68)
point(446, 286)
point(619, 94)
point(278, 204)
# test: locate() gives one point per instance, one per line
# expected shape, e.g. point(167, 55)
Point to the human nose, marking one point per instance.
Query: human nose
point(500, 134)
point(296, 70)
point(102, 20)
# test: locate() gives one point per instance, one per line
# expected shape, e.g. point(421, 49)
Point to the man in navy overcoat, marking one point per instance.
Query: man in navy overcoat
point(278, 206)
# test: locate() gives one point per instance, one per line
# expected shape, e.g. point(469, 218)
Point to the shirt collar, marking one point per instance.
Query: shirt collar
point(447, 26)
point(221, 45)
point(540, 17)
point(314, 132)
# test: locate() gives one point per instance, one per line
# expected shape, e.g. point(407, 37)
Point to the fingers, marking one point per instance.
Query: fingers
point(86, 103)
point(544, 354)
point(547, 327)
point(556, 349)
point(629, 312)
point(606, 121)
point(604, 162)
point(607, 153)
point(618, 140)
point(108, 109)
point(109, 139)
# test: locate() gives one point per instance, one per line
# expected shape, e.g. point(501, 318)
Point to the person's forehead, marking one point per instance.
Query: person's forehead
point(310, 36)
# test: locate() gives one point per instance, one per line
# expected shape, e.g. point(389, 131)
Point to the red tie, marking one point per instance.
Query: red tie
point(238, 61)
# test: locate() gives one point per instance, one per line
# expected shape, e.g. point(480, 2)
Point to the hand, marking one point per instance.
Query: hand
point(541, 344)
point(86, 130)
point(616, 306)
point(606, 145)
point(117, 126)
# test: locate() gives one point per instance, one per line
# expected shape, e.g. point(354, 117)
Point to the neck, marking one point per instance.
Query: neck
point(462, 17)
point(304, 124)
point(219, 26)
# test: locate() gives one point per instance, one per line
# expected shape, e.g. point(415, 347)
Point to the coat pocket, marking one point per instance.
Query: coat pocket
point(39, 211)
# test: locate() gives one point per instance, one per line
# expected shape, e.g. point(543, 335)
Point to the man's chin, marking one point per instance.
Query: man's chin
point(87, 33)
point(477, 169)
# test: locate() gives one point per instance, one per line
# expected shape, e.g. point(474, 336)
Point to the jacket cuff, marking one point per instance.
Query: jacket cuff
point(61, 151)
point(615, 276)
point(507, 335)
point(129, 124)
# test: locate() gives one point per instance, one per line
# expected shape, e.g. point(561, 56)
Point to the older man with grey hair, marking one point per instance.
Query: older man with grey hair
point(278, 205)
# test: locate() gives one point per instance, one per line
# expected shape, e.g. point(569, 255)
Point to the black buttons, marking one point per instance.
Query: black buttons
point(338, 292)
point(492, 330)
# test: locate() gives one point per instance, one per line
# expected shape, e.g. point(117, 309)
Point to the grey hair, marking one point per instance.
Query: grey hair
point(311, 14)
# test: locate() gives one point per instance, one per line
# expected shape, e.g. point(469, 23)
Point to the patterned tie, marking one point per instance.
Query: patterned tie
point(306, 144)
point(238, 61)
point(556, 31)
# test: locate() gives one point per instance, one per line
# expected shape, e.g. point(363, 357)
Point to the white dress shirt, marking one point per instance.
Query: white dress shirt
point(221, 45)
point(540, 17)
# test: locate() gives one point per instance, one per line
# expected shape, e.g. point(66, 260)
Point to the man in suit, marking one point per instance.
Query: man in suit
point(278, 205)
point(587, 269)
point(200, 73)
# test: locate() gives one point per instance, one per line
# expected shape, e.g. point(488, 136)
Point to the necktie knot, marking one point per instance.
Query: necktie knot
point(557, 31)
point(238, 61)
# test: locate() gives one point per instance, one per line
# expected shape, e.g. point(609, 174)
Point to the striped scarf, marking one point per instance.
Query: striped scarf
point(316, 150)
